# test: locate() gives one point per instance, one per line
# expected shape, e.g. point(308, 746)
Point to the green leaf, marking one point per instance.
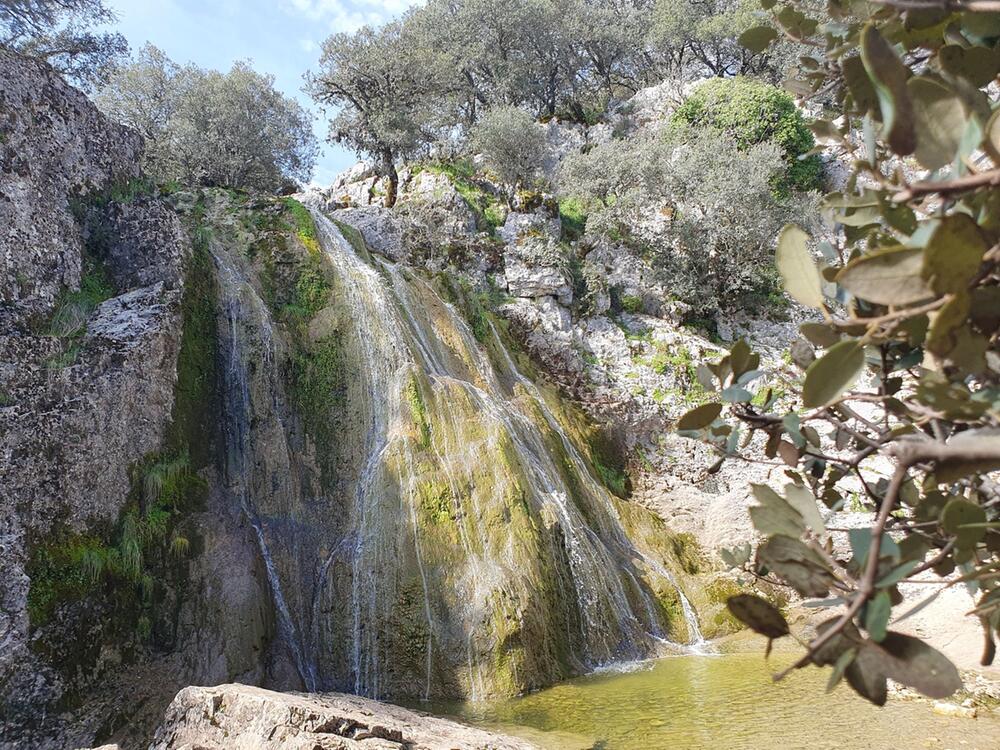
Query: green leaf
point(897, 574)
point(758, 38)
point(953, 254)
point(700, 417)
point(799, 274)
point(960, 517)
point(736, 395)
point(770, 520)
point(978, 65)
point(820, 334)
point(939, 119)
point(888, 75)
point(802, 499)
point(740, 357)
point(799, 566)
point(887, 276)
point(843, 661)
point(942, 336)
point(877, 615)
point(865, 675)
point(913, 663)
point(758, 614)
point(833, 373)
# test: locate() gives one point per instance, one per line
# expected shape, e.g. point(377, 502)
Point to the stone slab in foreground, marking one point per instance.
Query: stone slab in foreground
point(240, 717)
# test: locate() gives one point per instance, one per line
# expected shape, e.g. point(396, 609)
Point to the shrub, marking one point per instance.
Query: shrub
point(513, 145)
point(752, 112)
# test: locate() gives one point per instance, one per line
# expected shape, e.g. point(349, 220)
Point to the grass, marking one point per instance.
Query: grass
point(74, 308)
point(129, 560)
point(490, 211)
point(573, 218)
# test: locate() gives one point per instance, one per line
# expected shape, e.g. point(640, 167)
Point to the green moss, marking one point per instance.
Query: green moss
point(303, 224)
point(490, 210)
point(435, 501)
point(631, 304)
point(687, 552)
point(193, 418)
point(356, 240)
point(319, 390)
point(74, 308)
point(419, 410)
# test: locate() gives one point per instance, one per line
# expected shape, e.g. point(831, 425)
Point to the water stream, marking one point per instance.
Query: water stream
point(465, 546)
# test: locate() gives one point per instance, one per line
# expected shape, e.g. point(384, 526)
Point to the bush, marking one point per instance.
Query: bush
point(513, 145)
point(752, 112)
point(714, 248)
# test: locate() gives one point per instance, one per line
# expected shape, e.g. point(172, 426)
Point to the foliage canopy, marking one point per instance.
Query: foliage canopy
point(898, 397)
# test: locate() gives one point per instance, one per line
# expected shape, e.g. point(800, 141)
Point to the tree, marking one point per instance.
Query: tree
point(755, 112)
point(208, 128)
point(716, 203)
point(513, 145)
point(384, 96)
point(898, 396)
point(59, 32)
point(144, 95)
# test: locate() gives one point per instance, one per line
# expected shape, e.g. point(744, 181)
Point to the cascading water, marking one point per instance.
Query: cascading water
point(460, 545)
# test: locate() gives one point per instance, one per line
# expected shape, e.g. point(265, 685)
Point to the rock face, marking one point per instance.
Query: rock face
point(238, 717)
point(54, 146)
point(86, 393)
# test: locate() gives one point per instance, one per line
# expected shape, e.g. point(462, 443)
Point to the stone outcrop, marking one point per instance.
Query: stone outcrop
point(85, 392)
point(55, 147)
point(237, 716)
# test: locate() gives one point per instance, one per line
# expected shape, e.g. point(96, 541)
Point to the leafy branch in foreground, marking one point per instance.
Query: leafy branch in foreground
point(898, 403)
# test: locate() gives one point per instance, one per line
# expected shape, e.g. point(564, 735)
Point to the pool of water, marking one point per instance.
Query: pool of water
point(720, 703)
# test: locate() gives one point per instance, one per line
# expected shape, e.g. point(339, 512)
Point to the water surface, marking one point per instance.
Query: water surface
point(722, 703)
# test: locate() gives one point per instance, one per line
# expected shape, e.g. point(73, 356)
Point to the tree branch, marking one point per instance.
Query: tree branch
point(948, 187)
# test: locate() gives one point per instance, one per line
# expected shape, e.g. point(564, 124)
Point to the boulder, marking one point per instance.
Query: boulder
point(228, 717)
point(537, 222)
point(535, 269)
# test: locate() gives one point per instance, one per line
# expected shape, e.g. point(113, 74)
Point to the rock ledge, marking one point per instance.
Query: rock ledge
point(240, 717)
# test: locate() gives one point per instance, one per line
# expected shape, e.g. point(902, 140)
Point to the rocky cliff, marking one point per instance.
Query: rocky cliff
point(242, 441)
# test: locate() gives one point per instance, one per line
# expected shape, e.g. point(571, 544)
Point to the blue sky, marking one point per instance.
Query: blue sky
point(281, 37)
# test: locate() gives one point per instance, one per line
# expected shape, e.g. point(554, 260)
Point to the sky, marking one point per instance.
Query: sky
point(280, 37)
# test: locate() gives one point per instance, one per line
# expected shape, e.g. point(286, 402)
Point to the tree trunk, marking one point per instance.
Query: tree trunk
point(393, 188)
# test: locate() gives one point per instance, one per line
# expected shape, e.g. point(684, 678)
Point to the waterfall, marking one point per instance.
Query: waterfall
point(408, 337)
point(460, 545)
point(247, 318)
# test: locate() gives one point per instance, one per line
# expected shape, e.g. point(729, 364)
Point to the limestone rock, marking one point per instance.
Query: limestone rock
point(381, 229)
point(537, 222)
point(535, 269)
point(231, 717)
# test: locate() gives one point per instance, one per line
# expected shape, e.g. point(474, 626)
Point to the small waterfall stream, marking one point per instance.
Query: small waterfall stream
point(464, 546)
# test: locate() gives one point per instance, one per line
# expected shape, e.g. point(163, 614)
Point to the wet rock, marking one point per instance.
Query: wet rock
point(239, 716)
point(381, 229)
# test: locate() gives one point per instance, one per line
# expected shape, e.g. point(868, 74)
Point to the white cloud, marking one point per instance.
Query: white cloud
point(350, 15)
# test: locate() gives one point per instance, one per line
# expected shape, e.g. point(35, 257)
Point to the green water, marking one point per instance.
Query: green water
point(723, 703)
